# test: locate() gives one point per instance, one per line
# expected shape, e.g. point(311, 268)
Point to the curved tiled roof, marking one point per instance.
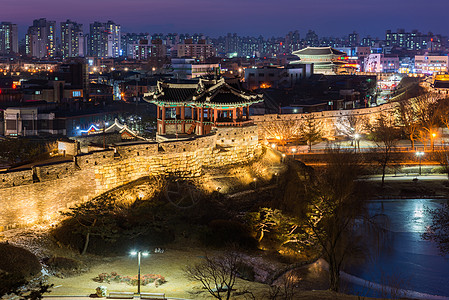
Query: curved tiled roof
point(319, 51)
point(204, 93)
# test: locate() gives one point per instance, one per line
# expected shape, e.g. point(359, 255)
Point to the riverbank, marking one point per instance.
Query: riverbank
point(411, 186)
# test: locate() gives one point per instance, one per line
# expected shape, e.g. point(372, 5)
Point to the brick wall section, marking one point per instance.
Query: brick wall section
point(55, 170)
point(41, 202)
point(15, 178)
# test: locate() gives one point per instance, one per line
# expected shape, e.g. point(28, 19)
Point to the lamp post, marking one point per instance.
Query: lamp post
point(255, 183)
point(283, 157)
point(357, 141)
point(419, 154)
point(294, 151)
point(139, 254)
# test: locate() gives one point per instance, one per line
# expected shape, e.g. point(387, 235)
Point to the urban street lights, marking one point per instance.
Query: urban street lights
point(294, 151)
point(255, 183)
point(139, 254)
point(419, 154)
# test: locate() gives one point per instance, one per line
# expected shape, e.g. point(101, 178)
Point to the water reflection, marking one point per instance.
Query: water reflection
point(406, 258)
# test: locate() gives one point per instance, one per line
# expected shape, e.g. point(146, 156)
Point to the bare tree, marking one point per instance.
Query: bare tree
point(428, 115)
point(216, 274)
point(95, 218)
point(337, 213)
point(386, 135)
point(407, 120)
point(438, 231)
point(284, 291)
point(282, 130)
point(311, 130)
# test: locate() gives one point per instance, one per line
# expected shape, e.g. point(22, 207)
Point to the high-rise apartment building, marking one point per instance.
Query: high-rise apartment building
point(9, 42)
point(40, 39)
point(72, 39)
point(104, 40)
point(199, 50)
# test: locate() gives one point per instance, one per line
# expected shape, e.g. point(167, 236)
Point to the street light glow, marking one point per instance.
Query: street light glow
point(133, 253)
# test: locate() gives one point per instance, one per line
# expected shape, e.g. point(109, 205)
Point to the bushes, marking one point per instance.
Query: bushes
point(221, 233)
point(144, 279)
point(18, 261)
point(63, 266)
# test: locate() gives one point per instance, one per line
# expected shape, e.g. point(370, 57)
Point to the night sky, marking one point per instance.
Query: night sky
point(246, 17)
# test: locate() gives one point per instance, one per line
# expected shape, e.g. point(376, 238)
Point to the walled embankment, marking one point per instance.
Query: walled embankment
point(37, 194)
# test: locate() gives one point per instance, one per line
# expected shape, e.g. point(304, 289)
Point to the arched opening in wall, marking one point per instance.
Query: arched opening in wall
point(95, 163)
point(48, 173)
point(3, 180)
point(87, 161)
point(104, 156)
point(146, 148)
point(66, 169)
point(23, 177)
point(137, 153)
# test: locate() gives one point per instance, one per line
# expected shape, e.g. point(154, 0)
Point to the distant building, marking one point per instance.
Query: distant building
point(141, 50)
point(381, 63)
point(430, 64)
point(201, 50)
point(9, 41)
point(40, 39)
point(72, 39)
point(277, 77)
point(187, 68)
point(158, 49)
point(104, 40)
point(27, 121)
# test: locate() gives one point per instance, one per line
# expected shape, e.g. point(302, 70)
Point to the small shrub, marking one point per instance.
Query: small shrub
point(145, 279)
point(18, 261)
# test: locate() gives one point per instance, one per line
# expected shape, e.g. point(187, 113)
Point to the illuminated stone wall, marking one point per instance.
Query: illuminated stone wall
point(35, 195)
point(329, 120)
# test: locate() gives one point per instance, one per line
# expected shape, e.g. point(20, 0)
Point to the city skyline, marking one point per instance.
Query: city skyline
point(252, 18)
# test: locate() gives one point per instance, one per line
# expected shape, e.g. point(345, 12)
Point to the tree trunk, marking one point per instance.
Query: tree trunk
point(384, 166)
point(86, 243)
point(334, 276)
point(412, 140)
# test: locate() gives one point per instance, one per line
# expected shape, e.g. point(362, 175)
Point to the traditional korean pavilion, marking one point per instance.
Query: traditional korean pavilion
point(197, 108)
point(325, 60)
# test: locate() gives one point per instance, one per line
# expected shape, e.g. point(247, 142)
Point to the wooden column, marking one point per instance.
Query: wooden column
point(202, 120)
point(183, 117)
point(158, 112)
point(234, 115)
point(215, 115)
point(163, 120)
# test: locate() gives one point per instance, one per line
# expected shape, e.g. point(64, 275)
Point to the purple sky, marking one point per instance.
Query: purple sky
point(246, 17)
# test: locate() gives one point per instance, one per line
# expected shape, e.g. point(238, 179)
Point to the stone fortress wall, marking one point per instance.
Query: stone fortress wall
point(329, 120)
point(36, 194)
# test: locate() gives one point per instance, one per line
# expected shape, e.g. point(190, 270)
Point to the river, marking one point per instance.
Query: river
point(406, 260)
